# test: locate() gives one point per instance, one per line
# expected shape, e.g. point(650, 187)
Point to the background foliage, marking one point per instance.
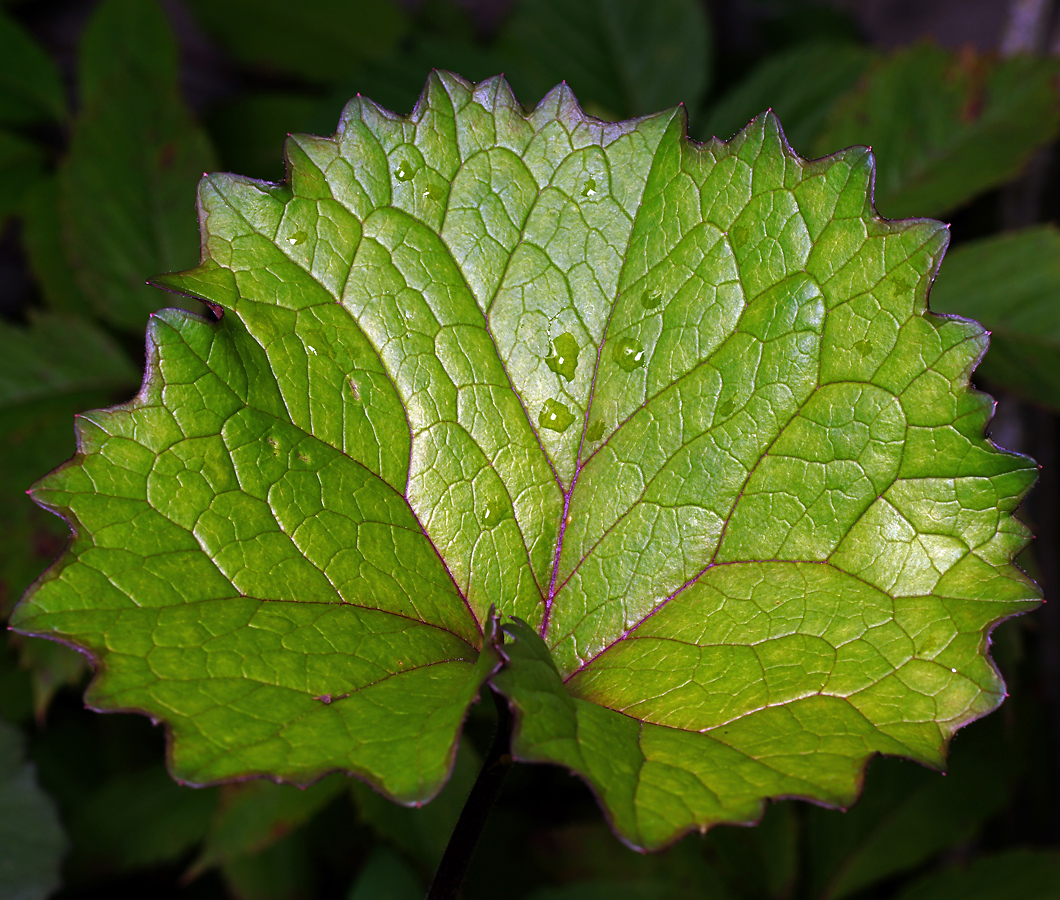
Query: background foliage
point(110, 111)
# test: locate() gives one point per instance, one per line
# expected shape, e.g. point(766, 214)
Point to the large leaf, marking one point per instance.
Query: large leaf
point(135, 154)
point(946, 126)
point(1011, 283)
point(679, 410)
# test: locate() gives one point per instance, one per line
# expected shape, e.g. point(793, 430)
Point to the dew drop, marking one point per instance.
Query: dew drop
point(595, 431)
point(404, 171)
point(954, 671)
point(555, 416)
point(432, 192)
point(650, 299)
point(629, 354)
point(589, 190)
point(299, 237)
point(492, 513)
point(563, 356)
point(726, 407)
point(864, 348)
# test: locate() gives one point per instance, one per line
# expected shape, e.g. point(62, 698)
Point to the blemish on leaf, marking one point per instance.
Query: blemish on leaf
point(595, 431)
point(650, 299)
point(726, 407)
point(864, 348)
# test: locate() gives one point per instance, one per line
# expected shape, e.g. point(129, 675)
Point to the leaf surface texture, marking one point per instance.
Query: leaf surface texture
point(677, 409)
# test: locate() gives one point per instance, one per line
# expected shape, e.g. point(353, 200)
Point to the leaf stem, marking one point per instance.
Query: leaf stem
point(461, 848)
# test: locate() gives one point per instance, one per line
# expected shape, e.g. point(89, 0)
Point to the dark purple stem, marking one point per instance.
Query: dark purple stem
point(487, 788)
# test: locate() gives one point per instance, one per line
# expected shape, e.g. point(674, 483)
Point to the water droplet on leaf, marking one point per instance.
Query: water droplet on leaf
point(555, 416)
point(589, 190)
point(595, 431)
point(432, 192)
point(492, 513)
point(299, 237)
point(404, 171)
point(726, 407)
point(563, 356)
point(863, 347)
point(650, 299)
point(629, 354)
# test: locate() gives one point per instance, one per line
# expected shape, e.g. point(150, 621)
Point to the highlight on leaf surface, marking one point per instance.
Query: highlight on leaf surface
point(679, 410)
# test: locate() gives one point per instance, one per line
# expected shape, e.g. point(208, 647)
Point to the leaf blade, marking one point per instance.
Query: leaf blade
point(321, 496)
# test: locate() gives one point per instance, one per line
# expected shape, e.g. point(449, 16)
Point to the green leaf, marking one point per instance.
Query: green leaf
point(757, 537)
point(282, 871)
point(48, 371)
point(946, 126)
point(31, 87)
point(46, 253)
point(324, 42)
point(51, 667)
point(799, 85)
point(1011, 283)
point(249, 132)
point(621, 57)
point(21, 166)
point(907, 814)
point(58, 355)
point(604, 890)
point(138, 819)
point(134, 157)
point(256, 815)
point(1027, 874)
point(30, 834)
point(386, 876)
point(588, 852)
point(422, 833)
